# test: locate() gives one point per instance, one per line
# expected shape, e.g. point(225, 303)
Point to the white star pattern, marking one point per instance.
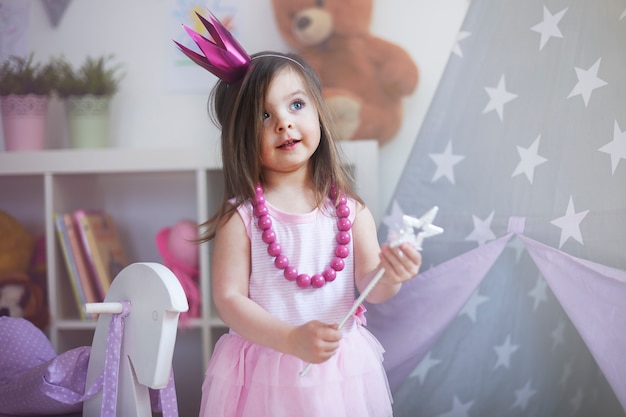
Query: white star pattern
point(424, 367)
point(567, 373)
point(472, 305)
point(587, 82)
point(539, 293)
point(522, 396)
point(529, 159)
point(459, 409)
point(504, 352)
point(456, 49)
point(549, 27)
point(570, 224)
point(498, 97)
point(616, 148)
point(445, 163)
point(482, 230)
point(558, 337)
point(576, 401)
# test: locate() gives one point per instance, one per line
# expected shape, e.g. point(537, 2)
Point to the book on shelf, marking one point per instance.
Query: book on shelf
point(84, 275)
point(102, 246)
point(68, 256)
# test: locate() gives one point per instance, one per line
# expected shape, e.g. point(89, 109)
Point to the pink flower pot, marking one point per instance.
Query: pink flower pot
point(24, 122)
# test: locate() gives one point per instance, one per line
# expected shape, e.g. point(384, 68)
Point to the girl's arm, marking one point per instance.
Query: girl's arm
point(313, 342)
point(400, 263)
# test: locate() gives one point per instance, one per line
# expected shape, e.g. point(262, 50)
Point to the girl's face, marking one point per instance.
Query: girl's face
point(291, 129)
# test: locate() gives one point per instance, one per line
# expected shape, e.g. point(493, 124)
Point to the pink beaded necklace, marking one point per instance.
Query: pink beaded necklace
point(281, 262)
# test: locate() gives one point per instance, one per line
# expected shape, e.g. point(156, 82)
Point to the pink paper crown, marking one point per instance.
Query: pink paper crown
point(223, 56)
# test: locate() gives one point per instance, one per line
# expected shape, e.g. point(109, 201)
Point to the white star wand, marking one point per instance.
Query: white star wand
point(407, 234)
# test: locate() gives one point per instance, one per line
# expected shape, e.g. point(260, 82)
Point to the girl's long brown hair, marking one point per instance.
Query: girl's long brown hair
point(237, 109)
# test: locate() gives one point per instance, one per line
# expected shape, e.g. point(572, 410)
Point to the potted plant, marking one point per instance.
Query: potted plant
point(25, 87)
point(87, 93)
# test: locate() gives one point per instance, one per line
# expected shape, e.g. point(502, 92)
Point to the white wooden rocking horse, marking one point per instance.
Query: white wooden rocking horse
point(152, 297)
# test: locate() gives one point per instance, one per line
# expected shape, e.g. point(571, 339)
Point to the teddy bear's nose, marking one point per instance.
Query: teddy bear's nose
point(312, 26)
point(303, 22)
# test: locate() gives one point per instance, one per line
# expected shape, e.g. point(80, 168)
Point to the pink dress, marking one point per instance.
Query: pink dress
point(248, 380)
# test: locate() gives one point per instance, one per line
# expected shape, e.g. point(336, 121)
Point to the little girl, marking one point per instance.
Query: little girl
point(292, 241)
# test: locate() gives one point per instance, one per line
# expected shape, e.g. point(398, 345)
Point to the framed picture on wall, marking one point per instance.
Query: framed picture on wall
point(182, 75)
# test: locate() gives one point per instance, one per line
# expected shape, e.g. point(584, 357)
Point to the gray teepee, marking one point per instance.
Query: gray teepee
point(521, 306)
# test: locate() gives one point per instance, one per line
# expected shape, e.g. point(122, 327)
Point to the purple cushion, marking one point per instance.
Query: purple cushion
point(30, 368)
point(23, 347)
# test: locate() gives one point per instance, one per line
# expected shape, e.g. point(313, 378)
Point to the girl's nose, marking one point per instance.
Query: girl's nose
point(283, 124)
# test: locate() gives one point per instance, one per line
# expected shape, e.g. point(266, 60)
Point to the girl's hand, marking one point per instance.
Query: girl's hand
point(401, 263)
point(314, 342)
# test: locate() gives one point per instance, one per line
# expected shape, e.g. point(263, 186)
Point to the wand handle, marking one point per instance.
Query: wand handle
point(356, 305)
point(407, 234)
point(363, 295)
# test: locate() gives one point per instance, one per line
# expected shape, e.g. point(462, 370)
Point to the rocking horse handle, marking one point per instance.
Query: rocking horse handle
point(103, 308)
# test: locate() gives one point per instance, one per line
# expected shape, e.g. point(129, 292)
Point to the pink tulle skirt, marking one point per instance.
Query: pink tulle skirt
point(247, 380)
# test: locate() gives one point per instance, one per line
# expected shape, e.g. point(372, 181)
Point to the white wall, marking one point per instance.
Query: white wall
point(428, 31)
point(146, 114)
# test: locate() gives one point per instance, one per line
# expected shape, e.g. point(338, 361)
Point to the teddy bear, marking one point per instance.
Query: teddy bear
point(20, 295)
point(364, 77)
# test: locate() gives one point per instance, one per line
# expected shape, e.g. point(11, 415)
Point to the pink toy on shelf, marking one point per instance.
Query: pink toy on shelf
point(179, 249)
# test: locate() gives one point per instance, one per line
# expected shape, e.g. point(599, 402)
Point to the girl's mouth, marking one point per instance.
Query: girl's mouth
point(289, 144)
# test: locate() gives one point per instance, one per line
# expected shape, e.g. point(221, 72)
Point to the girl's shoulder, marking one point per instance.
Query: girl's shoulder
point(358, 205)
point(244, 211)
point(243, 207)
point(361, 211)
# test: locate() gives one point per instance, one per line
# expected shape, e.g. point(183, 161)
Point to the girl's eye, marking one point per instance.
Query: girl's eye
point(297, 105)
point(266, 115)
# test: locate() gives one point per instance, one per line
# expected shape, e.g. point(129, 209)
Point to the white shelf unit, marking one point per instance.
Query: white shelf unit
point(144, 190)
